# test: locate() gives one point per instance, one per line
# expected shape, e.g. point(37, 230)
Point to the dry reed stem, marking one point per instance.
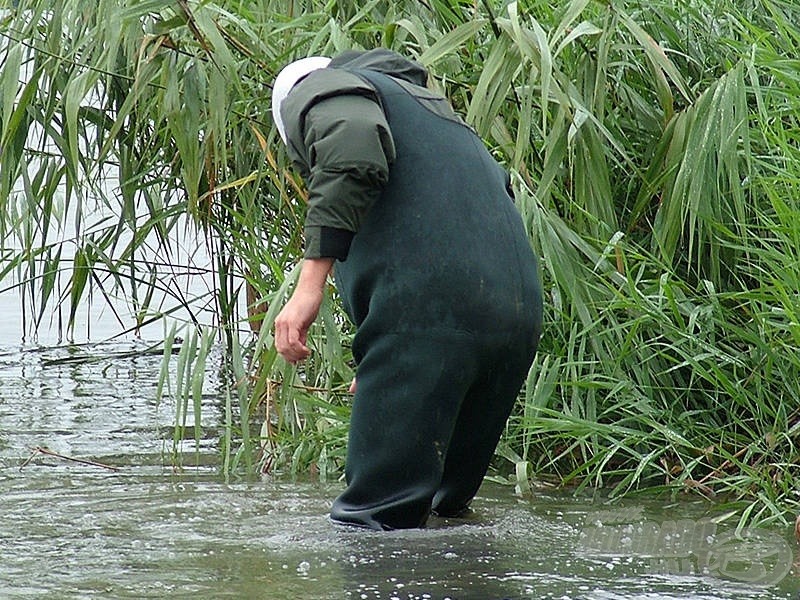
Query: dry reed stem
point(46, 451)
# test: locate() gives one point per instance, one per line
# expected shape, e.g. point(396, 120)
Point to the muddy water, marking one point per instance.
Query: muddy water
point(147, 530)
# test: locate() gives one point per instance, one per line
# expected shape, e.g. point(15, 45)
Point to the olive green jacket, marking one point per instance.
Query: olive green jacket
point(339, 139)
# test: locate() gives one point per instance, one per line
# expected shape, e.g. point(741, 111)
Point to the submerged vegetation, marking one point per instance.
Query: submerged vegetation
point(655, 153)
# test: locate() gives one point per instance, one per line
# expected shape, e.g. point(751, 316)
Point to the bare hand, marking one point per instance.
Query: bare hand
point(294, 320)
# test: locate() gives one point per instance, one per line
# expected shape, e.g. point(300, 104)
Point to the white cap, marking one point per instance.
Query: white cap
point(285, 81)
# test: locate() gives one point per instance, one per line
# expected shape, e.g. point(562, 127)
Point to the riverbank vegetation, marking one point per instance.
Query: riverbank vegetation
point(655, 153)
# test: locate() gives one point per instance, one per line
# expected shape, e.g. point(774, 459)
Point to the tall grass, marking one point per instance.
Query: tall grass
point(654, 152)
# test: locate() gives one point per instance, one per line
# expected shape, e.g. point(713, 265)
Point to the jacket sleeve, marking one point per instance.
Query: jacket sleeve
point(345, 149)
point(349, 149)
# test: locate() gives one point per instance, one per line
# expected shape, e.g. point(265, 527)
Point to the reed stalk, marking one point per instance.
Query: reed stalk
point(654, 152)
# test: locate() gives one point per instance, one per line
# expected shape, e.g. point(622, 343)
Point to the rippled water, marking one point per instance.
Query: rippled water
point(146, 530)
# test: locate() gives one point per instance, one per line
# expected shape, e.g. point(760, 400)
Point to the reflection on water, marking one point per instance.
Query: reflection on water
point(72, 530)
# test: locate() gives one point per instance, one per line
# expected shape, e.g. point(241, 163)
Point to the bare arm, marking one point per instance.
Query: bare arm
point(292, 323)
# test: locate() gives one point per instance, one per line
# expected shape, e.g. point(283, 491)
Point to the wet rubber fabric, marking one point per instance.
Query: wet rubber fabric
point(444, 289)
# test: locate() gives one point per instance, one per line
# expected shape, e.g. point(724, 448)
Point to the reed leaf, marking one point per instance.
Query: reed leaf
point(653, 149)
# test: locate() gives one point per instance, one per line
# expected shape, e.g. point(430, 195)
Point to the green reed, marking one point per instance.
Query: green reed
point(654, 152)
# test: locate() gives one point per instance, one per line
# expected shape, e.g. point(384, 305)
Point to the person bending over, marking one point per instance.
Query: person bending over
point(434, 268)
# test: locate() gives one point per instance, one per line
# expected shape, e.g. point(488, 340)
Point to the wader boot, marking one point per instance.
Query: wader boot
point(444, 289)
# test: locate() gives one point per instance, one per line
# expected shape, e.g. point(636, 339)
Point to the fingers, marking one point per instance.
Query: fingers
point(293, 351)
point(352, 388)
point(290, 342)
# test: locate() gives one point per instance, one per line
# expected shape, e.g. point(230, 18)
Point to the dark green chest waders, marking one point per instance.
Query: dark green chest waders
point(444, 288)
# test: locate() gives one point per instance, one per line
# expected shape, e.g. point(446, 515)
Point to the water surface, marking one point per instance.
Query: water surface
point(149, 530)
